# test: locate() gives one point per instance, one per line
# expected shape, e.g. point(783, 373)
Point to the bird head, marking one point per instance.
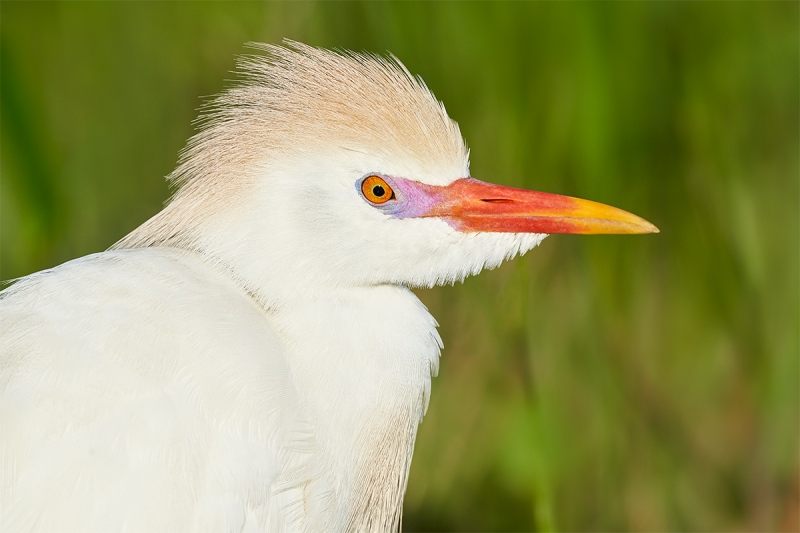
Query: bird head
point(327, 169)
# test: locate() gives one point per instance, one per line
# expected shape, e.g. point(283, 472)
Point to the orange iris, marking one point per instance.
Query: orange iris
point(376, 190)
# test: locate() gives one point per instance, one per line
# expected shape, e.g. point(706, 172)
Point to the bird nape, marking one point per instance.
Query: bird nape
point(252, 357)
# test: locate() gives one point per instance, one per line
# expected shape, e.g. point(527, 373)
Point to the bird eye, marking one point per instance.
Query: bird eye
point(376, 190)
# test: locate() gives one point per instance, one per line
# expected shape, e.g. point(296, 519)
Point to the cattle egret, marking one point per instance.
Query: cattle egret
point(252, 357)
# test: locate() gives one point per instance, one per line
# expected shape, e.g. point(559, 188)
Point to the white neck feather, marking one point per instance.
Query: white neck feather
point(362, 361)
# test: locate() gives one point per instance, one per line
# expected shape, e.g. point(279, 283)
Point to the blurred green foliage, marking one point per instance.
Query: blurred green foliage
point(600, 383)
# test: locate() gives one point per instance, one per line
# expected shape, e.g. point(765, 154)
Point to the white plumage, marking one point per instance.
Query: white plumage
point(251, 358)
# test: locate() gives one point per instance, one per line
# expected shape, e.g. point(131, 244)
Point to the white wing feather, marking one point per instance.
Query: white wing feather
point(180, 402)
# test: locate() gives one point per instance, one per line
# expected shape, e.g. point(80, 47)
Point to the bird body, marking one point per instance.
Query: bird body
point(252, 358)
point(196, 404)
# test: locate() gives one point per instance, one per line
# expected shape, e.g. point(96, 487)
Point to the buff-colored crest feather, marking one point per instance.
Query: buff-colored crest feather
point(294, 98)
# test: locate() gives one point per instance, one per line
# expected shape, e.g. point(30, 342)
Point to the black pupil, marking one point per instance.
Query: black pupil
point(378, 191)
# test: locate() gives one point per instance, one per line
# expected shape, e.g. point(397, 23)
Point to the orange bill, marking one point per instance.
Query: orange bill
point(471, 205)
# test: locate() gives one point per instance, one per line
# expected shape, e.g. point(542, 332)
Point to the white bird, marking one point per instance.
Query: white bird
point(252, 357)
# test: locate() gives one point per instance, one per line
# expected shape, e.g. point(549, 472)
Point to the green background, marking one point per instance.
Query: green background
point(643, 383)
